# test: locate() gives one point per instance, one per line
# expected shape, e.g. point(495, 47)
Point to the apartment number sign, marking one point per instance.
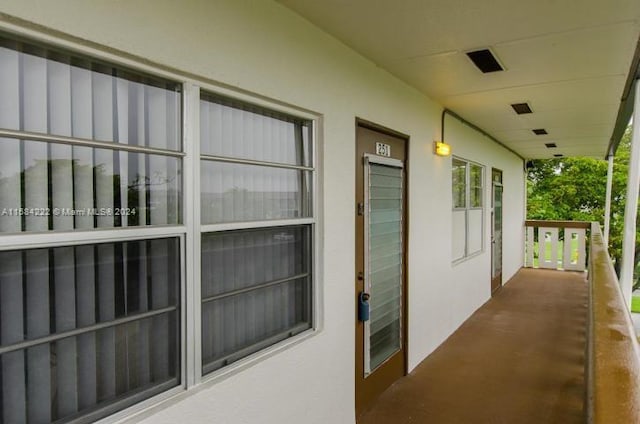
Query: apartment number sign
point(383, 149)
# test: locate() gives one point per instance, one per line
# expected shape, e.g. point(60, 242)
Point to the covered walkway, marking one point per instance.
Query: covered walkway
point(519, 359)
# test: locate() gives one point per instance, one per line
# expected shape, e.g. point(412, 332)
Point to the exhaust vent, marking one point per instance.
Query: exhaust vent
point(485, 61)
point(558, 156)
point(521, 108)
point(540, 131)
point(551, 145)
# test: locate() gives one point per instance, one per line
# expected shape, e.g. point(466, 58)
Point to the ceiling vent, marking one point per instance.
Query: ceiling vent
point(540, 131)
point(551, 145)
point(521, 108)
point(485, 61)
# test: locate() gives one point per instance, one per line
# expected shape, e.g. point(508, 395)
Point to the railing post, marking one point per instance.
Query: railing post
point(543, 232)
point(529, 248)
point(580, 249)
point(607, 204)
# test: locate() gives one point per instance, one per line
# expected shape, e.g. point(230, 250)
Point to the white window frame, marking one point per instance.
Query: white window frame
point(189, 232)
point(468, 207)
point(199, 229)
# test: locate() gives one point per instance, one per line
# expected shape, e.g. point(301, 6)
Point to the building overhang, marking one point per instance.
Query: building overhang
point(572, 63)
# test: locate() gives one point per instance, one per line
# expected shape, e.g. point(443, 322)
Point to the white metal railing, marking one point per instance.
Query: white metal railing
point(556, 245)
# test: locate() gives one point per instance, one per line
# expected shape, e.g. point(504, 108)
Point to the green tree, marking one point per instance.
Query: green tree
point(575, 189)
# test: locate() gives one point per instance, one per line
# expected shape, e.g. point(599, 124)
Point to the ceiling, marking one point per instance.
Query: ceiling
point(568, 59)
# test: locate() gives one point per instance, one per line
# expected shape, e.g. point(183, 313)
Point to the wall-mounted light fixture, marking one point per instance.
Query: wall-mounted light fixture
point(441, 148)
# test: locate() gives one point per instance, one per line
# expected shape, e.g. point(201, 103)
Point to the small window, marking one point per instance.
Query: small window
point(256, 167)
point(467, 180)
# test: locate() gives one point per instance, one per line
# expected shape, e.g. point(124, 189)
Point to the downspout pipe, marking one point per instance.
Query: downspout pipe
point(475, 127)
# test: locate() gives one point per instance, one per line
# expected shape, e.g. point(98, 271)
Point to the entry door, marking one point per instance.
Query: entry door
point(496, 230)
point(380, 263)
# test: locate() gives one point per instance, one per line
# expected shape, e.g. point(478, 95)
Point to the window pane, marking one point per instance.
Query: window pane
point(458, 234)
point(474, 235)
point(233, 129)
point(459, 183)
point(476, 186)
point(256, 289)
point(50, 91)
point(238, 192)
point(47, 186)
point(49, 292)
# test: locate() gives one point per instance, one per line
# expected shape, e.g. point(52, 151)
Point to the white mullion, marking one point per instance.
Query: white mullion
point(317, 300)
point(467, 204)
point(209, 228)
point(71, 238)
point(191, 214)
point(483, 195)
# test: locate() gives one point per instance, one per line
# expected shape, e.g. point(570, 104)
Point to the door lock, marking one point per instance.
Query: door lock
point(363, 306)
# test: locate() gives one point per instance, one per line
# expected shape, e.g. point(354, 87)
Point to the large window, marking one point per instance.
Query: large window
point(102, 239)
point(467, 180)
point(256, 173)
point(86, 328)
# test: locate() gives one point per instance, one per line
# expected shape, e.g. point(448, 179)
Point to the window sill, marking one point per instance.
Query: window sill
point(458, 261)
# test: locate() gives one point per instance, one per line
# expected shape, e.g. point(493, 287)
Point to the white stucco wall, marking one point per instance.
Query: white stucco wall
point(444, 294)
point(264, 48)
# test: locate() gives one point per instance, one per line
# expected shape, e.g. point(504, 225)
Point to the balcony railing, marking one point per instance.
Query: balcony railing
point(613, 354)
point(556, 244)
point(612, 366)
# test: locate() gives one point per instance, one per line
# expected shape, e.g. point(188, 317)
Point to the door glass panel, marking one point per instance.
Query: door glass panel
point(384, 268)
point(497, 230)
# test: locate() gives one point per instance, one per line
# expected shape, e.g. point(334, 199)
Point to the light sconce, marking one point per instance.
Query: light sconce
point(441, 148)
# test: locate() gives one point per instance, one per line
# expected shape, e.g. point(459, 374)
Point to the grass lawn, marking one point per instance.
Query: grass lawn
point(635, 304)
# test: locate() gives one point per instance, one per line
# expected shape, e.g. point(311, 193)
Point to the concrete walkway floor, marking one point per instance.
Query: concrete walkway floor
point(519, 359)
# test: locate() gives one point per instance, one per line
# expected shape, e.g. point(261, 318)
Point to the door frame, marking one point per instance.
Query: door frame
point(360, 239)
point(496, 282)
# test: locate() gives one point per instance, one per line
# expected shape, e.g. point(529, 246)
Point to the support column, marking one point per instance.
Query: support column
point(607, 205)
point(631, 208)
